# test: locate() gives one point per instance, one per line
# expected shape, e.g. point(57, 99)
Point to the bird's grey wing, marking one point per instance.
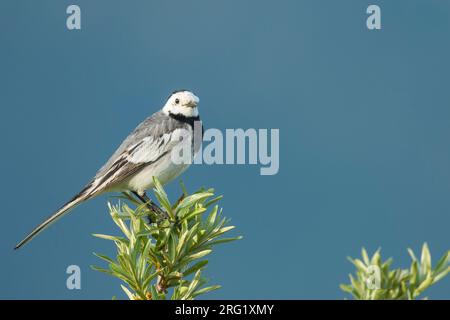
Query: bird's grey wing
point(149, 126)
point(132, 160)
point(150, 141)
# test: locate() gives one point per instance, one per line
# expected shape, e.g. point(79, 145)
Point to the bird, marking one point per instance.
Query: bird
point(146, 153)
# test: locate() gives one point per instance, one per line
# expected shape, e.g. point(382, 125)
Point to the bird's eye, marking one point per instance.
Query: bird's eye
point(177, 101)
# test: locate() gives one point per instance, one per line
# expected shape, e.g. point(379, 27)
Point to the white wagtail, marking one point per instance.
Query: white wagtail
point(144, 154)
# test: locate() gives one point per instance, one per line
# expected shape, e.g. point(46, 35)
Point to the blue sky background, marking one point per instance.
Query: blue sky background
point(364, 119)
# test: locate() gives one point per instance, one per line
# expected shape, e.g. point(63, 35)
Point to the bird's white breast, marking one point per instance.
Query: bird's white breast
point(161, 166)
point(164, 169)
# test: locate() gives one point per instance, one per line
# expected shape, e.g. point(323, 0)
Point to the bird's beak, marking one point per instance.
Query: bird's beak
point(193, 102)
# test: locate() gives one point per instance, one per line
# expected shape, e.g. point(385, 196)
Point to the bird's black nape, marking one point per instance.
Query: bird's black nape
point(176, 91)
point(179, 90)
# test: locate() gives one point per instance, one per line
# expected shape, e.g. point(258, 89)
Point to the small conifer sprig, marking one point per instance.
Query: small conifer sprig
point(375, 280)
point(165, 259)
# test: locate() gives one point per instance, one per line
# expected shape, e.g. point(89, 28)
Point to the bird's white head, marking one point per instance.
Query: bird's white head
point(182, 102)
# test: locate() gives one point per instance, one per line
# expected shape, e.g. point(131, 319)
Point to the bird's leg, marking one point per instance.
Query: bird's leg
point(150, 220)
point(151, 205)
point(155, 207)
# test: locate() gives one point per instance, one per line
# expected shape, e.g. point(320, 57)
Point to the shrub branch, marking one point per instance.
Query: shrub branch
point(165, 259)
point(375, 280)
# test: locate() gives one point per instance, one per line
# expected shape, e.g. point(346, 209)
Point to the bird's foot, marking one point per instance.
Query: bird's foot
point(157, 213)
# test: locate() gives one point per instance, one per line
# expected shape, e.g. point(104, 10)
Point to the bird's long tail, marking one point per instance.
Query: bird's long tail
point(84, 195)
